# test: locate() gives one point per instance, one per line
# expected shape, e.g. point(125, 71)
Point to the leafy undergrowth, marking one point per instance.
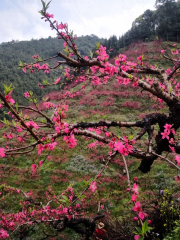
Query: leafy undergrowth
point(78, 166)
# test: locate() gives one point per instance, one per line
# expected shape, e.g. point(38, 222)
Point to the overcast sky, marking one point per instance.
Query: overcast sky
point(20, 19)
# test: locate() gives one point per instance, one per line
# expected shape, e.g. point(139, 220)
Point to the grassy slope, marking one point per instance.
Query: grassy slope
point(70, 166)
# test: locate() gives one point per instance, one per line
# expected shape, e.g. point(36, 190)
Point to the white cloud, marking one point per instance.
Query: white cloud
point(105, 26)
point(103, 18)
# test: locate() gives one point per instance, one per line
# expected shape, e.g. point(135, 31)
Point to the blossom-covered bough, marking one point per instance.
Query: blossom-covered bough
point(161, 129)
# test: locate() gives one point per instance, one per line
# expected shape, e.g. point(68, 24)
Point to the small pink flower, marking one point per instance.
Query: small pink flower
point(102, 207)
point(49, 15)
point(57, 80)
point(33, 166)
point(176, 178)
point(136, 237)
point(137, 207)
point(2, 154)
point(135, 189)
point(93, 186)
point(141, 215)
point(167, 126)
point(26, 94)
point(40, 163)
point(165, 134)
point(175, 52)
point(133, 198)
point(177, 159)
point(3, 234)
point(35, 56)
point(40, 148)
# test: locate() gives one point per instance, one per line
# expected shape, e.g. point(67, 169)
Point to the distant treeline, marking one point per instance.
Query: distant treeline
point(164, 23)
point(13, 52)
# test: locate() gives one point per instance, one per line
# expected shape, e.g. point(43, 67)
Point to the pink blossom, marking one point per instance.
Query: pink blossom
point(3, 234)
point(32, 124)
point(119, 79)
point(141, 215)
point(135, 179)
point(160, 100)
point(61, 26)
point(162, 51)
point(126, 81)
point(137, 207)
point(8, 98)
point(45, 68)
point(70, 140)
point(10, 136)
point(26, 94)
point(20, 139)
point(177, 178)
point(103, 56)
point(165, 134)
point(173, 130)
point(171, 141)
point(167, 126)
point(93, 186)
point(102, 207)
point(57, 80)
point(33, 166)
point(2, 154)
point(168, 71)
point(35, 56)
point(49, 15)
point(175, 52)
point(135, 218)
point(149, 221)
point(40, 148)
point(48, 104)
point(135, 189)
point(40, 163)
point(19, 129)
point(136, 237)
point(133, 198)
point(122, 57)
point(67, 73)
point(118, 146)
point(177, 159)
point(140, 58)
point(51, 146)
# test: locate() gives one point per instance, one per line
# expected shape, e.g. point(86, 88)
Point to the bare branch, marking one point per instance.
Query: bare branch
point(18, 117)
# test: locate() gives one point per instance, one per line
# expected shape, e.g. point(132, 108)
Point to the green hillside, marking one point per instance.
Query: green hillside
point(66, 167)
point(11, 53)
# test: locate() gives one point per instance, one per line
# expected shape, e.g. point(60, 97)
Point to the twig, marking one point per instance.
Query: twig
point(166, 160)
point(127, 172)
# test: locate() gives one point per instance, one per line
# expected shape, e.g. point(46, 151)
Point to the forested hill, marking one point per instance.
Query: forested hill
point(163, 22)
point(13, 52)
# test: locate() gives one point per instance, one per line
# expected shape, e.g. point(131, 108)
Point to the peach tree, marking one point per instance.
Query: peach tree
point(41, 133)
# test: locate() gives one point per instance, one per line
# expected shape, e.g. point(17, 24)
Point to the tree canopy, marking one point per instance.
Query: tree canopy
point(162, 23)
